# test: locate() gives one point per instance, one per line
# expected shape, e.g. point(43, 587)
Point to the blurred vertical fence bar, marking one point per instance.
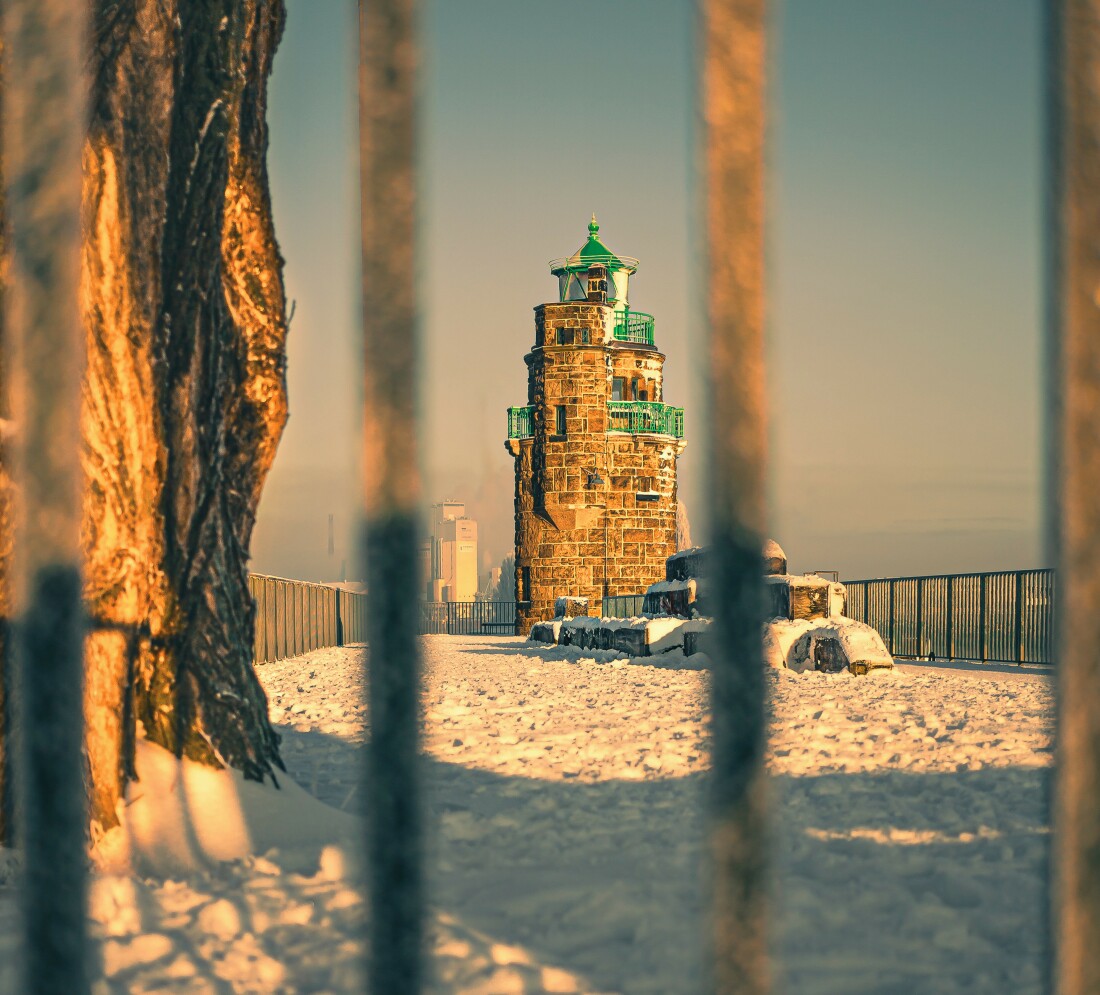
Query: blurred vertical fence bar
point(387, 134)
point(1073, 253)
point(44, 125)
point(733, 49)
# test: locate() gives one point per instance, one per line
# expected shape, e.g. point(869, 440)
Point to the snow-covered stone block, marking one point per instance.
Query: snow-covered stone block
point(687, 563)
point(671, 597)
point(545, 632)
point(578, 632)
point(831, 646)
point(664, 634)
point(695, 562)
point(775, 560)
point(633, 636)
point(792, 597)
point(697, 634)
point(567, 606)
point(780, 637)
point(630, 638)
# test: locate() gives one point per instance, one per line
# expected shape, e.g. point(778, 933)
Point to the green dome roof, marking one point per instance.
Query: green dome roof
point(594, 247)
point(594, 251)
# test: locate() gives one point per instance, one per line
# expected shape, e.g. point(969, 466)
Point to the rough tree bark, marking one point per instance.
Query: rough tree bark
point(185, 395)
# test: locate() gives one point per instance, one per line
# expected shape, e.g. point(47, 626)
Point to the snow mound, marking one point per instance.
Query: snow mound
point(832, 645)
point(780, 637)
point(181, 816)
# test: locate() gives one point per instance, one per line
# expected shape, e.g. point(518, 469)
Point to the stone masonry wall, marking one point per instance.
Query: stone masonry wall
point(572, 536)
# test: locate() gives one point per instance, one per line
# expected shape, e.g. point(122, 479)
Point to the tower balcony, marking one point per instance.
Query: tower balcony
point(633, 326)
point(521, 423)
point(645, 417)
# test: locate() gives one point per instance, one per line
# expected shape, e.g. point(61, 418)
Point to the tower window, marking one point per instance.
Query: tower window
point(559, 419)
point(584, 336)
point(565, 336)
point(618, 385)
point(525, 584)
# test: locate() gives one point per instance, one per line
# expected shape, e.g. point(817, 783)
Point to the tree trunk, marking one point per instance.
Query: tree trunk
point(185, 394)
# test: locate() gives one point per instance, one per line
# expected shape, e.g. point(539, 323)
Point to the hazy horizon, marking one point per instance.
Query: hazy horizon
point(904, 262)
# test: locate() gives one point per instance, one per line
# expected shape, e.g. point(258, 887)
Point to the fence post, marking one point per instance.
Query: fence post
point(290, 639)
point(45, 48)
point(950, 618)
point(1019, 626)
point(732, 87)
point(315, 632)
point(1073, 398)
point(287, 619)
point(299, 619)
point(920, 617)
point(255, 587)
point(983, 598)
point(388, 54)
point(890, 602)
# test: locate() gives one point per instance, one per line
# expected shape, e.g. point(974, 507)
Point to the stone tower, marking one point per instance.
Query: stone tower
point(595, 446)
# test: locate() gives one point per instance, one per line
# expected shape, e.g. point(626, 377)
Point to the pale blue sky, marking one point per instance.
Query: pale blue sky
point(903, 256)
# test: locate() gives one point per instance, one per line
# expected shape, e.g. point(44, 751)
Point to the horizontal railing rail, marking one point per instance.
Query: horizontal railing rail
point(468, 618)
point(996, 617)
point(1003, 616)
point(644, 417)
point(577, 264)
point(521, 422)
point(633, 326)
point(295, 617)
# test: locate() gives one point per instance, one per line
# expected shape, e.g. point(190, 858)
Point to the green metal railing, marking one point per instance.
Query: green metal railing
point(520, 423)
point(637, 417)
point(633, 326)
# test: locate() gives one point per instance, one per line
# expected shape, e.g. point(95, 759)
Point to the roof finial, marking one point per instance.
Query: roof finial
point(593, 227)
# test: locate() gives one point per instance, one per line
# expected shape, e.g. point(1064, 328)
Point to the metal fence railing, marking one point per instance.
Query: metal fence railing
point(642, 417)
point(295, 617)
point(521, 422)
point(999, 617)
point(1002, 617)
point(633, 326)
point(468, 618)
point(622, 605)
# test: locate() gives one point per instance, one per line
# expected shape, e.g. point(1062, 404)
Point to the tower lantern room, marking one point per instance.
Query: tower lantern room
point(572, 271)
point(595, 446)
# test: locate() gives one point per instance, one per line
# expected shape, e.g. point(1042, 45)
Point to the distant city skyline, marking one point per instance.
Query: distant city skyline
point(904, 261)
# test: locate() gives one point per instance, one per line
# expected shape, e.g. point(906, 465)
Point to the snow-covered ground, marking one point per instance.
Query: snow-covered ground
point(565, 800)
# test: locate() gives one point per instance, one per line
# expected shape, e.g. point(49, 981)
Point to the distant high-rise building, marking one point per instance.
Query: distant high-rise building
point(453, 566)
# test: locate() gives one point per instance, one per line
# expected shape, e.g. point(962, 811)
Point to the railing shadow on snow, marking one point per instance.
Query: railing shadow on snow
point(879, 876)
